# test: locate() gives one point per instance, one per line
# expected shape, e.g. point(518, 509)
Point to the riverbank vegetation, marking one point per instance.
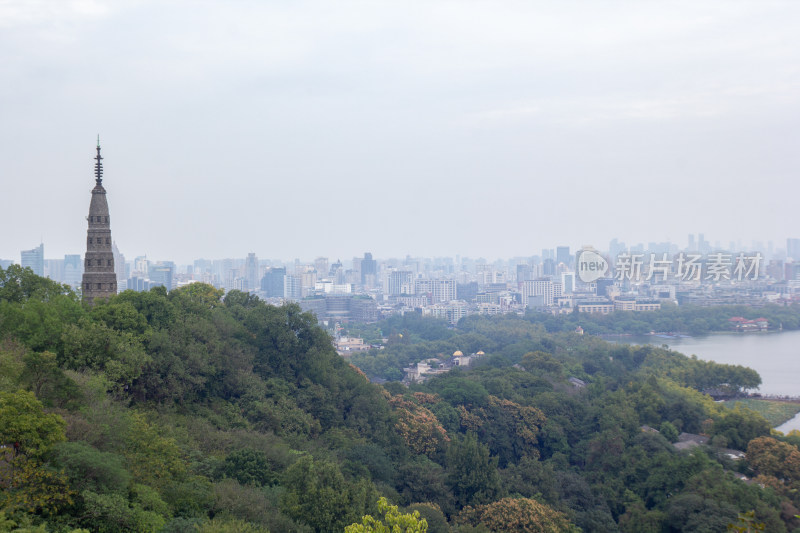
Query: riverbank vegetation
point(774, 411)
point(194, 410)
point(686, 319)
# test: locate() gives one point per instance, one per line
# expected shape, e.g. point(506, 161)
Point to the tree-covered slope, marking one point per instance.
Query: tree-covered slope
point(190, 411)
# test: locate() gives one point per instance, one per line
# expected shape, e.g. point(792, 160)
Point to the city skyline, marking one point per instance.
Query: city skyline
point(768, 249)
point(305, 129)
point(625, 278)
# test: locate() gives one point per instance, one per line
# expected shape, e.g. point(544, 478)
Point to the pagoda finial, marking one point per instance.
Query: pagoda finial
point(98, 167)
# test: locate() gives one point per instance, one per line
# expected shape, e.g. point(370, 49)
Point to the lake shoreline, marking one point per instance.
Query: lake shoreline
point(773, 354)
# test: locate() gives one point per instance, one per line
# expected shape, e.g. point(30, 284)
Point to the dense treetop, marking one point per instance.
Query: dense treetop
point(194, 410)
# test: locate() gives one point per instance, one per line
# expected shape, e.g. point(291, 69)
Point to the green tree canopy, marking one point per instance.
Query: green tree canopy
point(23, 421)
point(393, 522)
point(523, 515)
point(318, 495)
point(472, 473)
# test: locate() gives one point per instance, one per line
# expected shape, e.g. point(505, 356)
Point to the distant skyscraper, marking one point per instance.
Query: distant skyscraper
point(543, 288)
point(54, 269)
point(34, 259)
point(615, 247)
point(524, 272)
point(548, 267)
point(321, 266)
point(202, 266)
point(119, 264)
point(439, 290)
point(272, 282)
point(793, 249)
point(292, 288)
point(702, 245)
point(99, 278)
point(251, 271)
point(363, 310)
point(401, 282)
point(776, 270)
point(467, 291)
point(602, 285)
point(73, 270)
point(141, 265)
point(162, 273)
point(568, 282)
point(562, 255)
point(369, 267)
point(337, 272)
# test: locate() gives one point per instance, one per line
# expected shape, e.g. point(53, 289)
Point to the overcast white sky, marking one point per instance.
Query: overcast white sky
point(304, 129)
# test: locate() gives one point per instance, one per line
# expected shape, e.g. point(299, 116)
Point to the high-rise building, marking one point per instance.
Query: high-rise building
point(439, 290)
point(548, 267)
point(34, 259)
point(602, 286)
point(369, 267)
point(363, 310)
point(321, 266)
point(703, 246)
point(161, 273)
point(793, 249)
point(336, 271)
point(615, 248)
point(73, 270)
point(568, 282)
point(524, 272)
point(401, 282)
point(119, 264)
point(467, 291)
point(202, 266)
point(251, 271)
point(776, 270)
point(563, 256)
point(54, 269)
point(272, 282)
point(99, 278)
point(141, 265)
point(792, 271)
point(292, 287)
point(545, 289)
point(308, 279)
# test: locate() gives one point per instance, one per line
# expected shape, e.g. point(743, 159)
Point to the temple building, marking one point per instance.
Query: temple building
point(99, 278)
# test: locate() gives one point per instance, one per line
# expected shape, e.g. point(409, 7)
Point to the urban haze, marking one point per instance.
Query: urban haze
point(441, 129)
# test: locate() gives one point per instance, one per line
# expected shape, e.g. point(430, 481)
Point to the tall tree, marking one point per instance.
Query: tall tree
point(471, 472)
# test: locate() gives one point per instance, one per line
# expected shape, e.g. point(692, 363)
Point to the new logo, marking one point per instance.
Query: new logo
point(591, 266)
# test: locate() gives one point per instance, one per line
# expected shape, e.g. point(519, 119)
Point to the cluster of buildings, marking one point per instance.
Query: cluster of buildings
point(435, 366)
point(365, 289)
point(739, 323)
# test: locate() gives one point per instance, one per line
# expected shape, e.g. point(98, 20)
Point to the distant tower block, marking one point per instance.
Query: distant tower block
point(99, 278)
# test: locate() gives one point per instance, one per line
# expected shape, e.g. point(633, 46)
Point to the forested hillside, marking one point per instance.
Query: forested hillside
point(191, 411)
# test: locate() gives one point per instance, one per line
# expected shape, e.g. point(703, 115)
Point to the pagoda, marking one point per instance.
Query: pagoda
point(99, 278)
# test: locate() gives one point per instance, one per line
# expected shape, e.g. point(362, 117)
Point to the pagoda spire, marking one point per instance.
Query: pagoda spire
point(99, 275)
point(98, 167)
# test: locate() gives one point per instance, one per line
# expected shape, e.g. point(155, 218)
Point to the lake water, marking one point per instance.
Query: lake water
point(775, 356)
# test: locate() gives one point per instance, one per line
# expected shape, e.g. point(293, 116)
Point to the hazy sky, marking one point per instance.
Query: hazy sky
point(300, 129)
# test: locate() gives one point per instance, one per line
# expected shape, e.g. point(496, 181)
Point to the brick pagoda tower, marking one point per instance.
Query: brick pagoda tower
point(99, 278)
